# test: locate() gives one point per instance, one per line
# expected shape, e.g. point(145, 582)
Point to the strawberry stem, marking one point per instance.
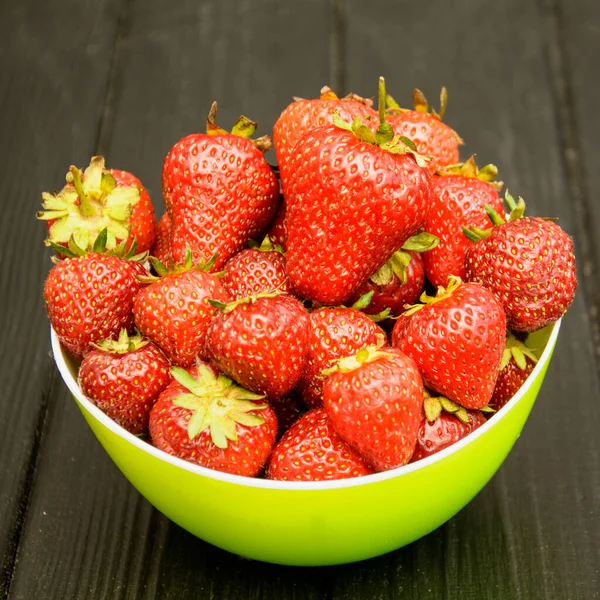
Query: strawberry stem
point(382, 100)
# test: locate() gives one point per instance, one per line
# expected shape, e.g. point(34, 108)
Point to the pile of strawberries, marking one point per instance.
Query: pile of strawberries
point(271, 326)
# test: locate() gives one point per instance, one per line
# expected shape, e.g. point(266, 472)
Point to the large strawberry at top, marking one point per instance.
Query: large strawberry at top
point(457, 340)
point(219, 191)
point(354, 197)
point(95, 200)
point(302, 116)
point(460, 194)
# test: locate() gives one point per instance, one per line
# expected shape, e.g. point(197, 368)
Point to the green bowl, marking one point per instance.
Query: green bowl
point(316, 523)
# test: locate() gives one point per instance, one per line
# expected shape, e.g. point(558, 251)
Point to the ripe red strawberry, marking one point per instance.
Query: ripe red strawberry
point(528, 263)
point(90, 298)
point(303, 116)
point(354, 197)
point(174, 311)
point(99, 199)
point(162, 245)
point(261, 342)
point(312, 451)
point(255, 270)
point(277, 230)
point(205, 418)
point(219, 191)
point(399, 282)
point(334, 333)
point(459, 199)
point(457, 340)
point(444, 423)
point(431, 136)
point(124, 378)
point(374, 401)
point(518, 361)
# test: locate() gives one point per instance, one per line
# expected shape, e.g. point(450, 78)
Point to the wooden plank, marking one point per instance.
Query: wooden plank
point(88, 533)
point(534, 532)
point(50, 105)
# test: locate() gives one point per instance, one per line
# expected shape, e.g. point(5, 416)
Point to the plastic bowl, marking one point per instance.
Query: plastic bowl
point(317, 523)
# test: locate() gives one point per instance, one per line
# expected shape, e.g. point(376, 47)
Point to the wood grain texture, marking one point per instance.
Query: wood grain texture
point(50, 105)
point(88, 534)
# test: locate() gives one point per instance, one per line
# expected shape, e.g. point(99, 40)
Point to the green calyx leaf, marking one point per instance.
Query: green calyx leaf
point(517, 351)
point(363, 301)
point(88, 204)
point(124, 344)
point(516, 207)
point(350, 363)
point(227, 308)
point(218, 404)
point(243, 127)
point(421, 242)
point(396, 265)
point(475, 234)
point(469, 169)
point(442, 293)
point(433, 407)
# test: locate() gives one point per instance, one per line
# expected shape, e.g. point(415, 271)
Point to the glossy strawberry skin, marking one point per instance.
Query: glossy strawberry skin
point(303, 116)
point(457, 201)
point(91, 298)
point(142, 220)
point(253, 271)
point(246, 456)
point(261, 344)
point(219, 192)
point(277, 230)
point(162, 245)
point(125, 386)
point(529, 265)
point(395, 295)
point(509, 382)
point(174, 313)
point(312, 451)
point(334, 333)
point(457, 344)
point(431, 136)
point(443, 432)
point(350, 205)
point(376, 408)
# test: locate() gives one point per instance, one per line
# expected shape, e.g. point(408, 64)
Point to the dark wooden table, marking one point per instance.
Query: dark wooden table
point(128, 79)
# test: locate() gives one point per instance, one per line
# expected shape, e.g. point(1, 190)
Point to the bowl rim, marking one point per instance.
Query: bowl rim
point(59, 358)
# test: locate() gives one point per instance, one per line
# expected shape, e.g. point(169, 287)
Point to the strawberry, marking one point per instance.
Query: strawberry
point(430, 136)
point(459, 199)
point(518, 361)
point(277, 231)
point(174, 310)
point(303, 116)
point(528, 263)
point(261, 342)
point(90, 298)
point(457, 340)
point(354, 197)
point(334, 333)
point(219, 191)
point(312, 451)
point(162, 245)
point(124, 378)
point(95, 200)
point(374, 400)
point(255, 270)
point(400, 280)
point(205, 418)
point(443, 424)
